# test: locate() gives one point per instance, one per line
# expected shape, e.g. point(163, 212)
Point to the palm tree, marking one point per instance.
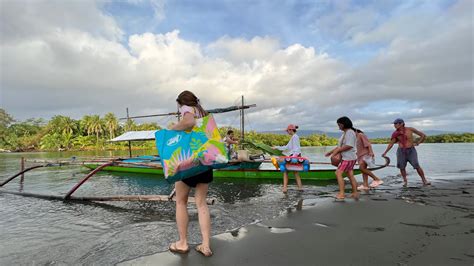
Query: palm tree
point(85, 123)
point(111, 123)
point(69, 125)
point(95, 127)
point(130, 125)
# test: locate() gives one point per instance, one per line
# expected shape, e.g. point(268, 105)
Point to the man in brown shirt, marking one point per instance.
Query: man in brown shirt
point(406, 151)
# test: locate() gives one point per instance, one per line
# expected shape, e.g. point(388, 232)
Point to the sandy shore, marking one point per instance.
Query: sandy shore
point(390, 226)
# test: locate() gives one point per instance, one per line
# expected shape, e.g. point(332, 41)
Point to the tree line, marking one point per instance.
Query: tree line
point(442, 138)
point(93, 132)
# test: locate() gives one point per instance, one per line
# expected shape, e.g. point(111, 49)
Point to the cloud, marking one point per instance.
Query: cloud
point(65, 66)
point(29, 20)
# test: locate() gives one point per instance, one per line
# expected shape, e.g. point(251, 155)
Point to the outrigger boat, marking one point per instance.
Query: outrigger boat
point(248, 169)
point(151, 165)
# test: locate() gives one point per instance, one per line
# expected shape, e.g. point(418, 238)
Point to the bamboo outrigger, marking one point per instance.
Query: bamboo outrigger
point(69, 197)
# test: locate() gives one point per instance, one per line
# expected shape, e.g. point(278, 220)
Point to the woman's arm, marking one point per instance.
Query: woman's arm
point(187, 123)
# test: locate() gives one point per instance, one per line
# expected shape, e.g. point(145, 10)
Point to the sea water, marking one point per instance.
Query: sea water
point(38, 231)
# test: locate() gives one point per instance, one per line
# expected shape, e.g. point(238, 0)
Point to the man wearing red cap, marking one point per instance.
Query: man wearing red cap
point(406, 152)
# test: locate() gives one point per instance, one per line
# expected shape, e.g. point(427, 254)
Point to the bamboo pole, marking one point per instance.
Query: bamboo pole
point(157, 198)
point(21, 172)
point(68, 195)
point(22, 168)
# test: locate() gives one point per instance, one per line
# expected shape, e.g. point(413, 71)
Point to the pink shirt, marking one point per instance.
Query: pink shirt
point(189, 109)
point(363, 145)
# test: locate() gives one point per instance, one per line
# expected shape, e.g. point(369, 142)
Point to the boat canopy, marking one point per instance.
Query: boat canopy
point(135, 135)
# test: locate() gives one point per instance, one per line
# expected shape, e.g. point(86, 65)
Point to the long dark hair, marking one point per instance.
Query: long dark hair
point(188, 98)
point(346, 123)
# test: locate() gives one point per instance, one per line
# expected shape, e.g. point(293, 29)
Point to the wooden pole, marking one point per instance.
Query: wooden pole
point(22, 168)
point(129, 142)
point(242, 124)
point(160, 198)
point(68, 195)
point(20, 173)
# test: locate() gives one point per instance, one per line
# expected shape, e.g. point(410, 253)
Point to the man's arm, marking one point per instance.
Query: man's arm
point(419, 133)
point(390, 145)
point(231, 141)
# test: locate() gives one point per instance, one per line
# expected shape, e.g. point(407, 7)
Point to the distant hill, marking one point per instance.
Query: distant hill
point(370, 134)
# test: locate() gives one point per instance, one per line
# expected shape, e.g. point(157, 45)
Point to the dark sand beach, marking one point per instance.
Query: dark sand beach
point(392, 225)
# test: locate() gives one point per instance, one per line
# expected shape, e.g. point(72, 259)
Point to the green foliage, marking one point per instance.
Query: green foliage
point(443, 138)
point(92, 132)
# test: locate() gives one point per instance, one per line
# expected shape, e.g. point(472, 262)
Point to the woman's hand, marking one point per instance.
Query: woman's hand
point(328, 154)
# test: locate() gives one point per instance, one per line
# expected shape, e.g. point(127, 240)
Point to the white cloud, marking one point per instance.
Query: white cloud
point(54, 65)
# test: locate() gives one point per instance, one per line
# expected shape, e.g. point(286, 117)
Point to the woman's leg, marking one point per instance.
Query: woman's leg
point(365, 170)
point(340, 182)
point(354, 194)
point(298, 181)
point(182, 193)
point(285, 181)
point(365, 176)
point(203, 214)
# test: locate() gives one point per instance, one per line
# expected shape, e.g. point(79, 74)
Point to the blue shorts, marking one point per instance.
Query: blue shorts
point(405, 155)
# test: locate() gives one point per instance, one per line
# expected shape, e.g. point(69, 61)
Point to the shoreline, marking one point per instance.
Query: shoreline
point(430, 225)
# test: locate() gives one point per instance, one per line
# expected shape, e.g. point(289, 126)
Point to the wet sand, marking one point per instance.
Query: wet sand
point(392, 225)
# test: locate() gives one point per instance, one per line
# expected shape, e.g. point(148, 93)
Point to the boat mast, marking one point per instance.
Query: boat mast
point(129, 142)
point(242, 127)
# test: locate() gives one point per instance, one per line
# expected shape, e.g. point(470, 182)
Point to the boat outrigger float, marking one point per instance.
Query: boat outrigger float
point(68, 196)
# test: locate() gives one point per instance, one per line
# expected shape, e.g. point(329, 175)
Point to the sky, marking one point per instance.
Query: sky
point(301, 62)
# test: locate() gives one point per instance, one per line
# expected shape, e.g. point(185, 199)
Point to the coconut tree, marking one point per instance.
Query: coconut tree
point(95, 127)
point(111, 124)
point(84, 124)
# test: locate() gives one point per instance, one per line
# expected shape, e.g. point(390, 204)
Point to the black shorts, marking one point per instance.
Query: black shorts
point(204, 178)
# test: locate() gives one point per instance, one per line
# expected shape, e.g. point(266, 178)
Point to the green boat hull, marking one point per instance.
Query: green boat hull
point(319, 174)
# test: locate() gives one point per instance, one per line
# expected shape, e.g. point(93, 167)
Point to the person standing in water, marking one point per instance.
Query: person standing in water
point(406, 151)
point(347, 148)
point(191, 109)
point(365, 157)
point(294, 149)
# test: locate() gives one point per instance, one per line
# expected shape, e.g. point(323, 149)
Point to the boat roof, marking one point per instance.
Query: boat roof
point(136, 135)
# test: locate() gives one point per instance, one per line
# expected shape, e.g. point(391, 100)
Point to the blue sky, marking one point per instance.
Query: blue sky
point(307, 62)
point(288, 21)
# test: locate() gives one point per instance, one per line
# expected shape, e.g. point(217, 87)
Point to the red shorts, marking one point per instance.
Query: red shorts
point(347, 166)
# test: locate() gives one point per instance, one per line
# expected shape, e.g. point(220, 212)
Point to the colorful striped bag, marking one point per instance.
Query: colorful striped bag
point(188, 153)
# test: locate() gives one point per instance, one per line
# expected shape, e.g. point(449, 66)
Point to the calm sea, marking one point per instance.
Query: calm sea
point(37, 231)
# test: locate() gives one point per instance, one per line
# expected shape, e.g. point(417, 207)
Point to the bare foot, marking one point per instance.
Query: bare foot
point(427, 183)
point(354, 195)
point(339, 197)
point(205, 251)
point(405, 184)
